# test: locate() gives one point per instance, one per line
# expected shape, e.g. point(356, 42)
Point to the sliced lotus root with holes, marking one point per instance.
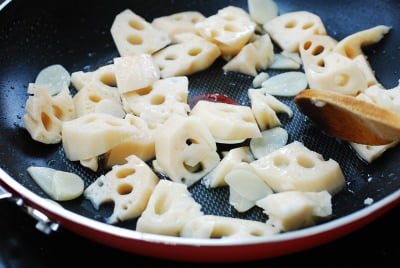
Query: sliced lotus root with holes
point(128, 186)
point(140, 144)
point(94, 134)
point(156, 103)
point(135, 72)
point(177, 23)
point(288, 29)
point(295, 167)
point(315, 52)
point(230, 29)
point(134, 35)
point(91, 95)
point(339, 74)
point(210, 226)
point(351, 46)
point(328, 70)
point(228, 123)
point(192, 54)
point(45, 114)
point(253, 57)
point(306, 209)
point(185, 149)
point(313, 48)
point(170, 206)
point(104, 77)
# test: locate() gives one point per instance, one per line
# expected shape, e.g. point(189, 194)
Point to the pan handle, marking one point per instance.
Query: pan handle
point(44, 224)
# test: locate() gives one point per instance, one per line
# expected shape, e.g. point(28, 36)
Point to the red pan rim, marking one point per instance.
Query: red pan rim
point(193, 249)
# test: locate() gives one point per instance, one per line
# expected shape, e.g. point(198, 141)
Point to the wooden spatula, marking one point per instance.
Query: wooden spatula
point(349, 118)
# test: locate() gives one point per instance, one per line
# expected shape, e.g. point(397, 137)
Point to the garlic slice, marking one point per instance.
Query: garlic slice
point(283, 62)
point(271, 140)
point(245, 187)
point(56, 77)
point(286, 84)
point(259, 79)
point(262, 11)
point(59, 185)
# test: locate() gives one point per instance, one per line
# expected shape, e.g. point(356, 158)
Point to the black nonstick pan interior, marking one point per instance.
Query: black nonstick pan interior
point(76, 34)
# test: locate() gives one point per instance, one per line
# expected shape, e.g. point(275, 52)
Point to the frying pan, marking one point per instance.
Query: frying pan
point(36, 34)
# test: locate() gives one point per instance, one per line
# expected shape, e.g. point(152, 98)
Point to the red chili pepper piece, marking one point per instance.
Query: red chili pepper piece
point(213, 97)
